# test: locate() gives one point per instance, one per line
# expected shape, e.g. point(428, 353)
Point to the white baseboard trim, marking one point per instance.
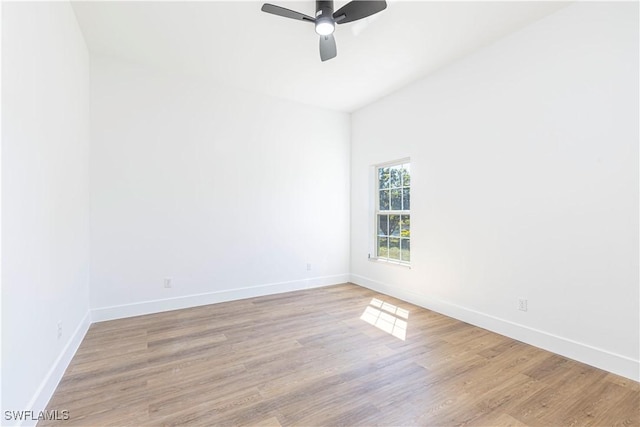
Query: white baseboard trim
point(597, 357)
point(157, 306)
point(44, 392)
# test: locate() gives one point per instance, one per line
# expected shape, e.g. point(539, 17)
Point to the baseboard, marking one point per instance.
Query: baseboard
point(599, 358)
point(44, 392)
point(156, 306)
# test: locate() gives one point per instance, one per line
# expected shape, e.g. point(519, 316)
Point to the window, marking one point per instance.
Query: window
point(393, 215)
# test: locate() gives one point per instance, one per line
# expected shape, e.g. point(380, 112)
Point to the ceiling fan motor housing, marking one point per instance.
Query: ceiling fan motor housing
point(324, 9)
point(325, 23)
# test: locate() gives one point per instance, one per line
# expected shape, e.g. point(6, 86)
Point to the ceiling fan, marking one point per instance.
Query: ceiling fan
point(326, 19)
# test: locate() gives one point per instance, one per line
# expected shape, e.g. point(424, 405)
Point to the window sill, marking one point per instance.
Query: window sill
point(390, 262)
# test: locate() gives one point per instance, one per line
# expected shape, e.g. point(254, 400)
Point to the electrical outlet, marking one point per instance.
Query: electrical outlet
point(167, 282)
point(522, 304)
point(60, 329)
point(308, 267)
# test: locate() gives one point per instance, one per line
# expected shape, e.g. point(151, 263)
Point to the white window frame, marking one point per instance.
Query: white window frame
point(373, 254)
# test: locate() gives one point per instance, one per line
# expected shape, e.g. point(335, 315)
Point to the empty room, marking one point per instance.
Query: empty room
point(318, 213)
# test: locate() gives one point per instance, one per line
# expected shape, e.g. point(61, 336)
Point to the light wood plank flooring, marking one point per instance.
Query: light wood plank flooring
point(331, 356)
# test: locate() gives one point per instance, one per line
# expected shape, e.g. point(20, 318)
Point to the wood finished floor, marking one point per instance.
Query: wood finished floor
point(307, 358)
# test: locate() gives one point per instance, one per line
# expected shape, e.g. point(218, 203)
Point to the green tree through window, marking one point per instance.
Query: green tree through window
point(393, 216)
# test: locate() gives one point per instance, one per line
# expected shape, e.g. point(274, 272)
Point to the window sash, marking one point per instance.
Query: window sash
point(401, 241)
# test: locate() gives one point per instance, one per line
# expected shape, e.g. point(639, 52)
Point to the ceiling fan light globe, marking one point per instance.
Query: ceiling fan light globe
point(324, 27)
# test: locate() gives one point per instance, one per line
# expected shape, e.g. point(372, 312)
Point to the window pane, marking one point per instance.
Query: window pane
point(394, 248)
point(383, 178)
point(384, 200)
point(393, 222)
point(394, 225)
point(383, 225)
point(405, 225)
point(406, 176)
point(383, 247)
point(406, 250)
point(406, 199)
point(396, 199)
point(395, 178)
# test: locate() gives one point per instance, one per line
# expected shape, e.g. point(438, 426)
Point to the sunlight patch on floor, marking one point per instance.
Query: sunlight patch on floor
point(387, 317)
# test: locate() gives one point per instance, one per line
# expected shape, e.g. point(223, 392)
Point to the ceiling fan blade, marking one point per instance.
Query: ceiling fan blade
point(358, 9)
point(327, 47)
point(287, 13)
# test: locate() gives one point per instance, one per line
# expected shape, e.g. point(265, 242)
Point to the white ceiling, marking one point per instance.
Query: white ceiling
point(236, 44)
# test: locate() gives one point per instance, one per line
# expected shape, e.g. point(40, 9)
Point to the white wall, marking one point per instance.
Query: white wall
point(215, 188)
point(45, 198)
point(525, 185)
